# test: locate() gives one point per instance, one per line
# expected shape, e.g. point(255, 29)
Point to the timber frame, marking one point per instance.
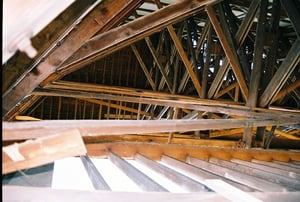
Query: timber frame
point(192, 72)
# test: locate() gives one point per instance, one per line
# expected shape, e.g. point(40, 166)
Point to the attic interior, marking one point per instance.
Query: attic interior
point(204, 92)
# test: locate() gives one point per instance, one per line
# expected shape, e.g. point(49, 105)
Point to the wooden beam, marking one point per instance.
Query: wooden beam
point(190, 103)
point(185, 182)
point(251, 181)
point(30, 129)
point(100, 102)
point(287, 90)
point(266, 174)
point(290, 62)
point(158, 63)
point(142, 180)
point(131, 32)
point(229, 49)
point(43, 150)
point(185, 59)
point(198, 173)
point(93, 22)
point(239, 38)
point(161, 138)
point(143, 66)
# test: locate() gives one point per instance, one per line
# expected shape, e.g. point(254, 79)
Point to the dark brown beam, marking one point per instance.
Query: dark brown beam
point(240, 37)
point(111, 13)
point(257, 66)
point(229, 49)
point(292, 10)
point(290, 62)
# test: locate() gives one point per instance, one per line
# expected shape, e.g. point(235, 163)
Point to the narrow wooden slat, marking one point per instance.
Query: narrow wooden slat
point(291, 184)
point(143, 66)
point(41, 151)
point(93, 173)
point(230, 192)
point(158, 63)
point(180, 179)
point(261, 166)
point(200, 174)
point(294, 171)
point(142, 180)
point(248, 180)
point(185, 59)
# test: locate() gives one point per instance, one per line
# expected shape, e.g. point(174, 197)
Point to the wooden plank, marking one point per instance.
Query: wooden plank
point(142, 180)
point(94, 174)
point(251, 169)
point(200, 174)
point(42, 150)
point(29, 129)
point(178, 178)
point(230, 192)
point(91, 24)
point(287, 90)
point(262, 166)
point(251, 181)
point(295, 171)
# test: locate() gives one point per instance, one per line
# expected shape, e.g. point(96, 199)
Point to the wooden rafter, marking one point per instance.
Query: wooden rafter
point(93, 23)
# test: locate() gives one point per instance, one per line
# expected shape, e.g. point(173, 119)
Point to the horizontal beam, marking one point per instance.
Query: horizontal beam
point(35, 129)
point(154, 151)
point(158, 98)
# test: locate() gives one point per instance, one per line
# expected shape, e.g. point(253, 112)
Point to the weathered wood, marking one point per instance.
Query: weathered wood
point(178, 178)
point(263, 165)
point(143, 66)
point(290, 62)
point(229, 49)
point(142, 180)
point(251, 181)
point(41, 151)
point(158, 63)
point(257, 66)
point(185, 59)
point(240, 37)
point(131, 32)
point(93, 173)
point(91, 24)
point(191, 103)
point(200, 174)
point(250, 169)
point(29, 129)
